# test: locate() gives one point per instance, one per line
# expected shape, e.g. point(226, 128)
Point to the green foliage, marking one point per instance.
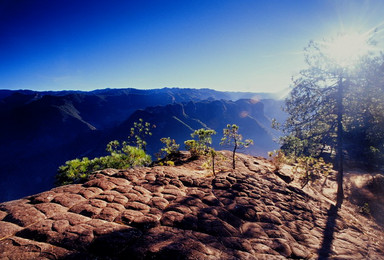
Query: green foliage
point(139, 132)
point(191, 146)
point(312, 168)
point(232, 137)
point(293, 147)
point(278, 159)
point(73, 170)
point(210, 160)
point(168, 163)
point(213, 160)
point(311, 127)
point(201, 146)
point(121, 157)
point(170, 149)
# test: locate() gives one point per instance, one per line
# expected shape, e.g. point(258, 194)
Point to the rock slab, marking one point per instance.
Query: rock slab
point(184, 212)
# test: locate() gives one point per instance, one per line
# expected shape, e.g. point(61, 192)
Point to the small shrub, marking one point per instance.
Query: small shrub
point(170, 163)
point(192, 147)
point(170, 149)
point(312, 168)
point(213, 160)
point(278, 159)
point(73, 170)
point(202, 145)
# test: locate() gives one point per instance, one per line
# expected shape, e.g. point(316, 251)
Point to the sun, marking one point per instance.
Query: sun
point(346, 49)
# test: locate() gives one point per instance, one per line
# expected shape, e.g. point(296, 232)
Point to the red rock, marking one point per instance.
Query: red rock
point(159, 203)
point(23, 214)
point(8, 229)
point(51, 209)
point(86, 209)
point(90, 192)
point(102, 183)
point(72, 218)
point(137, 206)
point(171, 217)
point(44, 197)
point(268, 218)
point(109, 214)
point(2, 214)
point(68, 200)
point(252, 230)
point(74, 189)
point(179, 212)
point(20, 248)
point(60, 225)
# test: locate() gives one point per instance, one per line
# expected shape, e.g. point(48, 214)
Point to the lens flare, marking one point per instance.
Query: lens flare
point(347, 48)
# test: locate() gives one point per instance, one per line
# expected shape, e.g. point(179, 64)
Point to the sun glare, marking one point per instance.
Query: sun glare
point(346, 49)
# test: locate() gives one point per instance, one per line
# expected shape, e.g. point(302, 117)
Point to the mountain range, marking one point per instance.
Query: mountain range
point(42, 130)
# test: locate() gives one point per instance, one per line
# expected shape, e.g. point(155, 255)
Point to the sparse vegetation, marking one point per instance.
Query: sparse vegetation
point(170, 149)
point(308, 167)
point(201, 146)
point(277, 158)
point(139, 132)
point(312, 169)
point(77, 170)
point(334, 109)
point(121, 156)
point(232, 137)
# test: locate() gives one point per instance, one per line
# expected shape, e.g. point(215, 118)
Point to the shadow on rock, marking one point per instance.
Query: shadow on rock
point(326, 245)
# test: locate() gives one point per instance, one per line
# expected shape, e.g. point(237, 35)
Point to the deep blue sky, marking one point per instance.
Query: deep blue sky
point(242, 45)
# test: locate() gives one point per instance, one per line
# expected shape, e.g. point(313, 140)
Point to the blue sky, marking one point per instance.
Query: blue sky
point(231, 45)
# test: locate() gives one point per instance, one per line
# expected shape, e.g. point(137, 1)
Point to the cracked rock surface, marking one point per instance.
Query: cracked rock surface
point(184, 212)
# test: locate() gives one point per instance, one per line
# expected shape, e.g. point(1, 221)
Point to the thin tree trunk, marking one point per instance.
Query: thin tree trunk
point(234, 156)
point(340, 156)
point(213, 164)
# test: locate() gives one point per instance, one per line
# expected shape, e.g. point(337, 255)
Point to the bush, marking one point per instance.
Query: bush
point(78, 170)
point(312, 168)
point(201, 146)
point(170, 149)
point(278, 158)
point(192, 147)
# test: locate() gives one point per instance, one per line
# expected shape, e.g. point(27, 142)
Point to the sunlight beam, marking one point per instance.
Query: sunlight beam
point(346, 49)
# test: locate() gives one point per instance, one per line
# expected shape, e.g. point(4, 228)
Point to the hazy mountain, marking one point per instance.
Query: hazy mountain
point(42, 130)
point(179, 120)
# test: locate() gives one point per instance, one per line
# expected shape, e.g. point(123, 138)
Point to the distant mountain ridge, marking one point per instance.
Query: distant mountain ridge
point(180, 119)
point(42, 130)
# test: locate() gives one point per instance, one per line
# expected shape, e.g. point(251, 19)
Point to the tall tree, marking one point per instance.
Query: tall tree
point(316, 105)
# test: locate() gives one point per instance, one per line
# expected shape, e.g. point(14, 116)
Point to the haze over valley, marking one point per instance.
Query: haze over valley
point(45, 129)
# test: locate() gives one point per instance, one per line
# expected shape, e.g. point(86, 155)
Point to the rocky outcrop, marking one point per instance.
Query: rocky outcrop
point(184, 212)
